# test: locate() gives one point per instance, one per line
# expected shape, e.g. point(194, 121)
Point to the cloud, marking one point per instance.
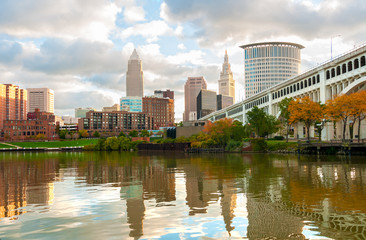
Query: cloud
point(93, 19)
point(77, 57)
point(134, 14)
point(248, 21)
point(151, 30)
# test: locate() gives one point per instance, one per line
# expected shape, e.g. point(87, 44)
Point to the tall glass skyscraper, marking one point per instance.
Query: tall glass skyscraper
point(269, 63)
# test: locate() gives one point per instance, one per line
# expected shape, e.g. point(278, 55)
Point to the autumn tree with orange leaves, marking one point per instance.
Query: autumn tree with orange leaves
point(360, 109)
point(341, 108)
point(306, 111)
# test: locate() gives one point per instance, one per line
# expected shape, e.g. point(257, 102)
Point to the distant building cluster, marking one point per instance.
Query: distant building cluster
point(134, 111)
point(200, 102)
point(29, 113)
point(17, 122)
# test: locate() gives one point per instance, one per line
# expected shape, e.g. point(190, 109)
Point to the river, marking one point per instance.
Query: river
point(112, 195)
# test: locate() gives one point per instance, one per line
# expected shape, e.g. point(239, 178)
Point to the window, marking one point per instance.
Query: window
point(327, 74)
point(349, 66)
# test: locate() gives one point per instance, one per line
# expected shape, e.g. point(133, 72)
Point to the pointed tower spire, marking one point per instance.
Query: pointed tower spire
point(226, 58)
point(134, 55)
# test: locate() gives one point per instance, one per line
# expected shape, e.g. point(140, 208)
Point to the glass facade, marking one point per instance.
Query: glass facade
point(131, 104)
point(267, 64)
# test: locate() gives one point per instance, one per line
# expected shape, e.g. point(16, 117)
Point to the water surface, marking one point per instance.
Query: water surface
point(92, 195)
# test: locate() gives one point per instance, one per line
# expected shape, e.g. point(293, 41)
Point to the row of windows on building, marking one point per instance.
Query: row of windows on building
point(296, 87)
point(257, 102)
point(345, 67)
point(272, 51)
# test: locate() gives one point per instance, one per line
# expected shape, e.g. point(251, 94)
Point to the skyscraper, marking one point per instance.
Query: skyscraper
point(269, 63)
point(206, 103)
point(134, 76)
point(41, 98)
point(191, 90)
point(226, 81)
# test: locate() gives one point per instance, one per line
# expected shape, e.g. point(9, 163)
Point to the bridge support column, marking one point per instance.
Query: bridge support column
point(299, 130)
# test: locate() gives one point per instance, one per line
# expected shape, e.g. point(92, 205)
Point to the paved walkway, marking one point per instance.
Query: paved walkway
point(10, 145)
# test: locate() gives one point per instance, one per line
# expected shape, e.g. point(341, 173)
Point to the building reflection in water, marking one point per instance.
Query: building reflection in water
point(282, 193)
point(24, 183)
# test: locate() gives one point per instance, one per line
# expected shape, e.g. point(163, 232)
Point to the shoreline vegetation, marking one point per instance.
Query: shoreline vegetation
point(122, 143)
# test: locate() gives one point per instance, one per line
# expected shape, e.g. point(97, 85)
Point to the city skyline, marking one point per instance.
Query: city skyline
point(83, 57)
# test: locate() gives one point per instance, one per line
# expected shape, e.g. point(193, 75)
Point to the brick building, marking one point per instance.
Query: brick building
point(161, 109)
point(116, 121)
point(37, 123)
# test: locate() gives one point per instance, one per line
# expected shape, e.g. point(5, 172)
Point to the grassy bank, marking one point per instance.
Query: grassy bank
point(55, 144)
point(5, 146)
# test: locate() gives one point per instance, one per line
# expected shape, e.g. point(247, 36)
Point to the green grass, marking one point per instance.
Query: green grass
point(5, 146)
point(275, 145)
point(56, 144)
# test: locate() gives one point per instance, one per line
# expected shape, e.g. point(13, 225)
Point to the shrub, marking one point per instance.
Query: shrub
point(259, 144)
point(96, 134)
point(100, 146)
point(233, 145)
point(90, 147)
point(279, 138)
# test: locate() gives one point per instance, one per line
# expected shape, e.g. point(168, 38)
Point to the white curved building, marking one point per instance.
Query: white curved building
point(269, 63)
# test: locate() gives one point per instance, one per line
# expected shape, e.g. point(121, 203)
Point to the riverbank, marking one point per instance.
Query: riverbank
point(66, 145)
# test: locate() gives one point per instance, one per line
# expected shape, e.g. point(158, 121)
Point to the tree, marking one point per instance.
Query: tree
point(340, 109)
point(285, 114)
point(112, 143)
point(121, 134)
point(271, 125)
point(133, 133)
point(62, 134)
point(144, 133)
point(40, 136)
point(96, 134)
point(320, 123)
point(306, 111)
point(219, 131)
point(256, 118)
point(361, 109)
point(83, 133)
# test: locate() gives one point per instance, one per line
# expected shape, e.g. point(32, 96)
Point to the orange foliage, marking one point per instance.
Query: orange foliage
point(306, 111)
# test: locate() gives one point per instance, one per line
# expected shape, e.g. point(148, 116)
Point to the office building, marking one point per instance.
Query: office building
point(131, 104)
point(269, 63)
point(226, 81)
point(160, 109)
point(206, 103)
point(115, 107)
point(81, 112)
point(115, 121)
point(192, 88)
point(164, 94)
point(13, 103)
point(224, 101)
point(134, 76)
point(41, 98)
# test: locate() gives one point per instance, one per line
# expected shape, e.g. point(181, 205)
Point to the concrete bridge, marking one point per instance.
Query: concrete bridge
point(344, 74)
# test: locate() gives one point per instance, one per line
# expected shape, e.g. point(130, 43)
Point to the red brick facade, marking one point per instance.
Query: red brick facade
point(161, 109)
point(38, 123)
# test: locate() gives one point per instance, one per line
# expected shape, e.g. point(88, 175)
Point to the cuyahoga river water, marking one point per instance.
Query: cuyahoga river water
point(99, 195)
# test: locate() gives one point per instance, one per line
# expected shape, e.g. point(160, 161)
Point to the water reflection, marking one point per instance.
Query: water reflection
point(178, 196)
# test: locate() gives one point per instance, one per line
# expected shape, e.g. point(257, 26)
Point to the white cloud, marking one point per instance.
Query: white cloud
point(134, 14)
point(94, 19)
point(181, 46)
point(151, 30)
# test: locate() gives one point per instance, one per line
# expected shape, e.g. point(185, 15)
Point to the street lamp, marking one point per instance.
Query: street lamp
point(331, 46)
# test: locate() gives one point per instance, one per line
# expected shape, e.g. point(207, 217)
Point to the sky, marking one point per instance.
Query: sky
point(80, 48)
